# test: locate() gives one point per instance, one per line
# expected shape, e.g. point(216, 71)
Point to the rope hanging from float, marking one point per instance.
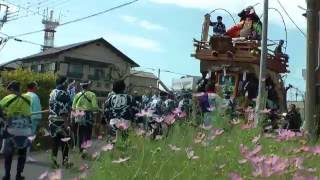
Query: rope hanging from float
point(225, 11)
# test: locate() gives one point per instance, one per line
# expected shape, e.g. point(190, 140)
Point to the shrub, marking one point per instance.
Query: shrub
point(46, 82)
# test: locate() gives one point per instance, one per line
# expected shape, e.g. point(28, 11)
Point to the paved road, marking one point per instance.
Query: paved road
point(33, 170)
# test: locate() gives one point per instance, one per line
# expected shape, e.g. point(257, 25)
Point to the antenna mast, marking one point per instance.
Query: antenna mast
point(50, 26)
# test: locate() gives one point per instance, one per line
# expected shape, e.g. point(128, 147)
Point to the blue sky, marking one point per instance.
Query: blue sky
point(155, 33)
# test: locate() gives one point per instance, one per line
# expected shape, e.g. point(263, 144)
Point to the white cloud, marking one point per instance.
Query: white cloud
point(234, 6)
point(143, 23)
point(134, 41)
point(129, 19)
point(150, 26)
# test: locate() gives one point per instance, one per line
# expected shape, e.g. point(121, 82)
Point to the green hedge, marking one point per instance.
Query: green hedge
point(46, 83)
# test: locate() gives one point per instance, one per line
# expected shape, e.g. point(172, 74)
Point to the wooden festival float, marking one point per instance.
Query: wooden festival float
point(231, 58)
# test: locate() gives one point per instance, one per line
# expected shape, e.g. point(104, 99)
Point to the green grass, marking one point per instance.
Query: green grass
point(155, 160)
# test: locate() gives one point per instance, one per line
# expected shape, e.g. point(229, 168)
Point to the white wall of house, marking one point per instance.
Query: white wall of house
point(185, 83)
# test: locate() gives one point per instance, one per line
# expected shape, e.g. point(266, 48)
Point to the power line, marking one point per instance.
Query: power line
point(81, 19)
point(21, 7)
point(99, 13)
point(282, 7)
point(166, 71)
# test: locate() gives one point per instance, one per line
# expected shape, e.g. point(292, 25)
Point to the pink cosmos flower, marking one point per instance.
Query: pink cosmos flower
point(190, 154)
point(122, 124)
point(140, 132)
point(235, 121)
point(158, 137)
point(285, 135)
point(199, 138)
point(86, 144)
point(84, 175)
point(145, 113)
point(174, 148)
point(265, 166)
point(83, 167)
point(299, 176)
point(207, 128)
point(243, 161)
point(182, 115)
point(266, 111)
point(43, 176)
point(177, 111)
point(107, 147)
point(96, 155)
point(218, 132)
point(255, 151)
point(211, 108)
point(256, 139)
point(56, 175)
point(316, 150)
point(77, 113)
point(169, 119)
point(121, 160)
point(159, 119)
point(235, 176)
point(247, 126)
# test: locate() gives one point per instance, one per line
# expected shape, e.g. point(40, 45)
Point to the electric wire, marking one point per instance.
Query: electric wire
point(81, 19)
point(288, 15)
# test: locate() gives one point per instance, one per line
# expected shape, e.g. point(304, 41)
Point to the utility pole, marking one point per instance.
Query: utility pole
point(310, 122)
point(261, 101)
point(4, 10)
point(159, 71)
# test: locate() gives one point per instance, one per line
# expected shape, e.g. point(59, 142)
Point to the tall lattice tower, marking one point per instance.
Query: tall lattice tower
point(50, 26)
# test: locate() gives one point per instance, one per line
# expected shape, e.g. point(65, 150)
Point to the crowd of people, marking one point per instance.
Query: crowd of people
point(72, 114)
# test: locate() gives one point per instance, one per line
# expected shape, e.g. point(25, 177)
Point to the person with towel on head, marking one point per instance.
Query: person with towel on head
point(17, 128)
point(84, 104)
point(118, 106)
point(59, 117)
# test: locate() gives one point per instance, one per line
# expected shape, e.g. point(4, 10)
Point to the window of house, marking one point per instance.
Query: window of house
point(108, 74)
point(96, 73)
point(98, 84)
point(99, 73)
point(49, 67)
point(34, 68)
point(75, 70)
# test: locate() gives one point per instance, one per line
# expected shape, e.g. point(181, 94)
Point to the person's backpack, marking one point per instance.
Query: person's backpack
point(83, 94)
point(17, 125)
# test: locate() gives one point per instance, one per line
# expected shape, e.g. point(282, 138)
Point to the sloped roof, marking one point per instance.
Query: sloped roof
point(143, 74)
point(62, 49)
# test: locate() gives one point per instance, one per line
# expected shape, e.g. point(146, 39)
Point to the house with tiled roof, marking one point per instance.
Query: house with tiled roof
point(96, 60)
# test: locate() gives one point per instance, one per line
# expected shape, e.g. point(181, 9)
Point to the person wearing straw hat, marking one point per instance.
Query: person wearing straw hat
point(59, 113)
point(17, 128)
point(83, 106)
point(32, 88)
